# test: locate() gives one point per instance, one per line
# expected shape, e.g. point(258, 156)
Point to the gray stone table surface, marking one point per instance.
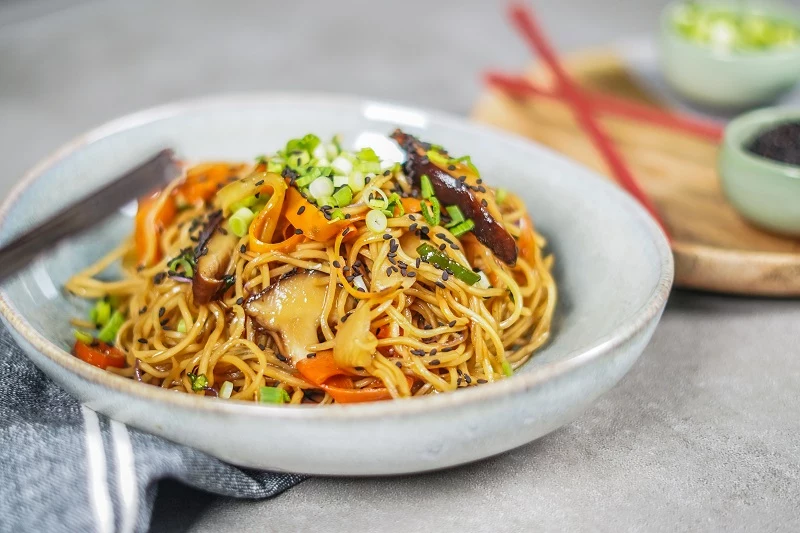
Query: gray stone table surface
point(701, 435)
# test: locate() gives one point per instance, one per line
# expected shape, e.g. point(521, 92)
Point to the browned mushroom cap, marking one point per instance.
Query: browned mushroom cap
point(214, 251)
point(291, 308)
point(452, 191)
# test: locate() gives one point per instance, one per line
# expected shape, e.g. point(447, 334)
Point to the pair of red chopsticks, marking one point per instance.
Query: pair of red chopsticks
point(587, 105)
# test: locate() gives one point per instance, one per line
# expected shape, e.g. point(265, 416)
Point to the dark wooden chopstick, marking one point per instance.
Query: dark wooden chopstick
point(87, 212)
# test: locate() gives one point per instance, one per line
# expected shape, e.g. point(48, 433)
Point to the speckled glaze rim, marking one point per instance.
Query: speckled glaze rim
point(516, 384)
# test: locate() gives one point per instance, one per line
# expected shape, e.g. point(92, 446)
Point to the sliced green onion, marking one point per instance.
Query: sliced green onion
point(272, 395)
point(395, 202)
point(337, 214)
point(377, 203)
point(483, 283)
point(426, 186)
point(376, 221)
point(336, 141)
point(462, 227)
point(199, 382)
point(321, 188)
point(184, 265)
point(339, 181)
point(343, 196)
point(357, 181)
point(109, 331)
point(305, 181)
point(240, 221)
point(438, 159)
point(500, 195)
point(455, 214)
point(298, 160)
point(433, 213)
point(507, 370)
point(83, 336)
point(181, 326)
point(326, 200)
point(101, 312)
point(225, 390)
point(368, 154)
point(342, 165)
point(468, 160)
point(275, 167)
point(432, 255)
point(368, 167)
point(248, 201)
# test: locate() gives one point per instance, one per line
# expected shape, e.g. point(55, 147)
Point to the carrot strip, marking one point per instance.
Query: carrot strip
point(525, 22)
point(520, 87)
point(99, 354)
point(152, 217)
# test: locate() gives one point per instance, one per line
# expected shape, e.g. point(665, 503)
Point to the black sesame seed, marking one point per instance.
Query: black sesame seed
point(418, 352)
point(412, 217)
point(418, 262)
point(452, 324)
point(467, 379)
point(399, 364)
point(442, 246)
point(387, 236)
point(411, 274)
point(441, 235)
point(481, 188)
point(484, 203)
point(240, 300)
point(257, 195)
point(161, 312)
point(387, 172)
point(338, 284)
point(281, 357)
point(142, 340)
point(367, 179)
point(451, 167)
point(358, 368)
point(346, 231)
point(441, 285)
point(143, 310)
point(462, 179)
point(433, 352)
point(298, 231)
point(454, 246)
point(412, 227)
point(435, 362)
point(389, 271)
point(259, 183)
point(425, 230)
point(311, 355)
point(448, 349)
point(347, 216)
point(262, 346)
point(300, 211)
point(391, 259)
point(482, 381)
point(242, 249)
point(337, 264)
point(164, 322)
point(427, 327)
point(445, 276)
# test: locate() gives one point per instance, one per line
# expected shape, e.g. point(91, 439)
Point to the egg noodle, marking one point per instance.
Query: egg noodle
point(261, 283)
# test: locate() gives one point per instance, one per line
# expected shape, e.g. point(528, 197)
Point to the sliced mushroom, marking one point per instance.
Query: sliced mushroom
point(451, 191)
point(213, 254)
point(291, 308)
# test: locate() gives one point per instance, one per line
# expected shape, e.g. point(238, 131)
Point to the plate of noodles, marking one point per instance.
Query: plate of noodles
point(335, 285)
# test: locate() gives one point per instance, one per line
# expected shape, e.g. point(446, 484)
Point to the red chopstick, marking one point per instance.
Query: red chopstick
point(524, 20)
point(520, 86)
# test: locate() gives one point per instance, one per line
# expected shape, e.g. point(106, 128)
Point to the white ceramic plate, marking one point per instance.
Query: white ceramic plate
point(614, 271)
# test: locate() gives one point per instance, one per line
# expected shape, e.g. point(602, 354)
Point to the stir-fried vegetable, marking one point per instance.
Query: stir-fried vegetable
point(153, 215)
point(239, 223)
point(355, 344)
point(307, 217)
point(99, 354)
point(431, 255)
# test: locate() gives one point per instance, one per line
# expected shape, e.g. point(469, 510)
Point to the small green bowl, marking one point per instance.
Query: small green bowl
point(729, 80)
point(764, 191)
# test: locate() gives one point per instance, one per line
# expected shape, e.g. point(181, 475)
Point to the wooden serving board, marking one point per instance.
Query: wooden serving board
point(714, 248)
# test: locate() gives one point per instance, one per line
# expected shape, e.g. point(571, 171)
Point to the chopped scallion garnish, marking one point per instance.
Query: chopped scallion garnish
point(109, 331)
point(500, 195)
point(83, 336)
point(455, 214)
point(343, 196)
point(199, 382)
point(239, 223)
point(225, 390)
point(273, 395)
point(432, 213)
point(430, 254)
point(507, 370)
point(181, 328)
point(376, 221)
point(426, 187)
point(462, 227)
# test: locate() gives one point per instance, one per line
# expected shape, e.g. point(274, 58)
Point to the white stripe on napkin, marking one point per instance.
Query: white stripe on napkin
point(126, 476)
point(98, 484)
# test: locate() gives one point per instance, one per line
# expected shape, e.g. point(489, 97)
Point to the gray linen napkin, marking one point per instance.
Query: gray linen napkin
point(65, 468)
